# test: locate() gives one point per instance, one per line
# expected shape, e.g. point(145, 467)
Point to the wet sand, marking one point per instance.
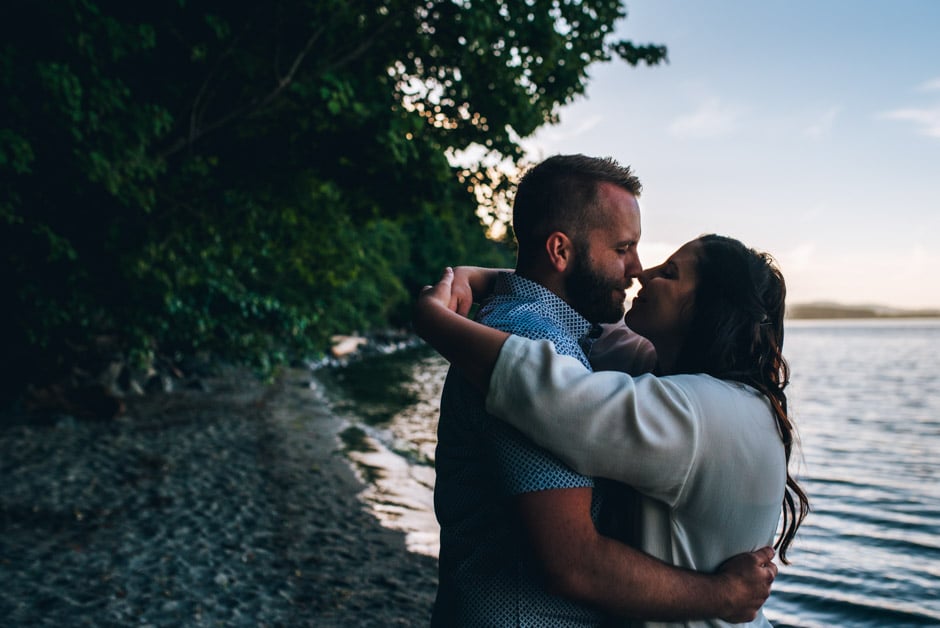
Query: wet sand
point(228, 507)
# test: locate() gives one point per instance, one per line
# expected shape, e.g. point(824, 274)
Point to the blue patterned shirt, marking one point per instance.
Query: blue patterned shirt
point(488, 577)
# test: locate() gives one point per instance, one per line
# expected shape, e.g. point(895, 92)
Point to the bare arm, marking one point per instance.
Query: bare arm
point(471, 285)
point(582, 565)
point(617, 349)
point(471, 346)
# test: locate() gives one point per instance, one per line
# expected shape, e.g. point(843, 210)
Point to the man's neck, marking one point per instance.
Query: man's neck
point(552, 281)
point(550, 308)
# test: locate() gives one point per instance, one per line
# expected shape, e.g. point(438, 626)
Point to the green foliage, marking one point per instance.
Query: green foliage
point(251, 178)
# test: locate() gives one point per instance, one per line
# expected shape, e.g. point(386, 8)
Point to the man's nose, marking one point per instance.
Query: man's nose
point(633, 267)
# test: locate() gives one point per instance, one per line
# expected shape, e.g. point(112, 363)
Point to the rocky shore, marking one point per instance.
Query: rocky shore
point(227, 506)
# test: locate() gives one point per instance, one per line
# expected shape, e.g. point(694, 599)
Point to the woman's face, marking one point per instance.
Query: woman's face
point(662, 309)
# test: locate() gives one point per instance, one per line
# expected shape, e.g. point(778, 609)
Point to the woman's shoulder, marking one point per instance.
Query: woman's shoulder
point(709, 383)
point(711, 394)
point(727, 405)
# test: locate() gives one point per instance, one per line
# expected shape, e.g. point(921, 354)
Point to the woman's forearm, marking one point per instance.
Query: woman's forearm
point(471, 284)
point(594, 422)
point(480, 279)
point(470, 346)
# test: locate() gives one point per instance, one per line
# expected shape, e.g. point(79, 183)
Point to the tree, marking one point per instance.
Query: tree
point(250, 178)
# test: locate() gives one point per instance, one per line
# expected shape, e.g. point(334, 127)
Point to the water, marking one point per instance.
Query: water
point(866, 398)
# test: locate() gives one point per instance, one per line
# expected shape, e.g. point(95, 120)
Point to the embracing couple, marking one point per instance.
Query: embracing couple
point(553, 408)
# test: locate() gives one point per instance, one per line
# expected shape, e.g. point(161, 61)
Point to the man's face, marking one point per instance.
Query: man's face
point(605, 260)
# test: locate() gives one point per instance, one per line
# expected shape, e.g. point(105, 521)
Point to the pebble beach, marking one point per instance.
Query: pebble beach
point(233, 505)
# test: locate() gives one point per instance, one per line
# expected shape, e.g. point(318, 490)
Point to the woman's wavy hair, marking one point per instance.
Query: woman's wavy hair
point(737, 334)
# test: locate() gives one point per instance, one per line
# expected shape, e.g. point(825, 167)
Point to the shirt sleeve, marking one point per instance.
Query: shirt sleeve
point(619, 348)
point(521, 465)
point(641, 431)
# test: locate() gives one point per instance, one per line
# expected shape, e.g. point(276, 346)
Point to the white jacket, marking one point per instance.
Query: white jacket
point(705, 453)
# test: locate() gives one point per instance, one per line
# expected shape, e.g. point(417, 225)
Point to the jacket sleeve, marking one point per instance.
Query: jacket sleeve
point(643, 431)
point(619, 348)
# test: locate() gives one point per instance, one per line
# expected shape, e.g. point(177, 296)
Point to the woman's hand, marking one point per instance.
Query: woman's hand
point(465, 285)
point(471, 285)
point(469, 345)
point(461, 289)
point(442, 294)
point(436, 308)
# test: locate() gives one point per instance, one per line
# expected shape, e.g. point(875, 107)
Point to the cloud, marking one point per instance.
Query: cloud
point(903, 276)
point(654, 253)
point(571, 131)
point(928, 119)
point(823, 125)
point(920, 258)
point(933, 85)
point(587, 124)
point(552, 139)
point(801, 258)
point(711, 119)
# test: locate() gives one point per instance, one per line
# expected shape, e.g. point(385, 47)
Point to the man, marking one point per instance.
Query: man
point(519, 546)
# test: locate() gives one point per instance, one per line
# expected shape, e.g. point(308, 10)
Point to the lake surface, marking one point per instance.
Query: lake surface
point(866, 398)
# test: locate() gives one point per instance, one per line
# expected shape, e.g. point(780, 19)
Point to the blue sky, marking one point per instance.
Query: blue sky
point(810, 129)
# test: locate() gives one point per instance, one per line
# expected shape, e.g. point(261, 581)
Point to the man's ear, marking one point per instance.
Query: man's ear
point(560, 250)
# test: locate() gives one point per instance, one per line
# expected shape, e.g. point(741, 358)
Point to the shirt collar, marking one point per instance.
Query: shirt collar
point(575, 325)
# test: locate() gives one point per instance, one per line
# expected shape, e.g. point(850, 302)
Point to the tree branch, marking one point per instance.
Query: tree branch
point(197, 130)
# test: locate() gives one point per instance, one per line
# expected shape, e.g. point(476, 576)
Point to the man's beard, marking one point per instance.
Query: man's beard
point(591, 295)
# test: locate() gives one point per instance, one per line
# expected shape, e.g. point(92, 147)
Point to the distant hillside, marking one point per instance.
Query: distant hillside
point(837, 310)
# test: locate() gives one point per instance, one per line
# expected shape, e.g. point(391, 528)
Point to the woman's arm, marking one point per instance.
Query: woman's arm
point(619, 348)
point(470, 346)
point(738, 589)
point(591, 421)
point(471, 285)
point(641, 431)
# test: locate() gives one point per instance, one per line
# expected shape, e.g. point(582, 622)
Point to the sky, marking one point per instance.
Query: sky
point(808, 128)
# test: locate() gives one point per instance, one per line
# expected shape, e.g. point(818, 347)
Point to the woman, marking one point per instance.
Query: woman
point(706, 438)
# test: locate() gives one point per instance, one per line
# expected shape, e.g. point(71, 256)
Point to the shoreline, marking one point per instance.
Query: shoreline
point(230, 506)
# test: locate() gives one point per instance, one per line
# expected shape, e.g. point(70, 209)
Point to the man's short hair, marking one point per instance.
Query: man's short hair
point(560, 194)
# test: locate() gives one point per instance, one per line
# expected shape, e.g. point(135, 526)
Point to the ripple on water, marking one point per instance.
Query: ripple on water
point(866, 399)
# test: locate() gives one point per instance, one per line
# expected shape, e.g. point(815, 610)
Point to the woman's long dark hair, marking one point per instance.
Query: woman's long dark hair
point(737, 334)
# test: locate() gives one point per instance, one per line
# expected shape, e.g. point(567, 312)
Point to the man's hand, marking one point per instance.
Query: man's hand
point(747, 579)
